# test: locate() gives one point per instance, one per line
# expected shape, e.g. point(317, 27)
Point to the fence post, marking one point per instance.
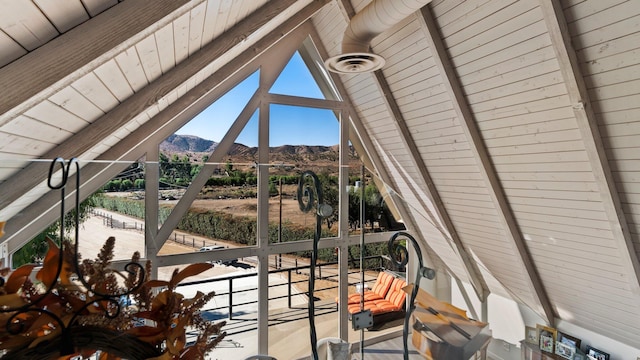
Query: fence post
point(289, 288)
point(193, 242)
point(297, 271)
point(319, 271)
point(230, 298)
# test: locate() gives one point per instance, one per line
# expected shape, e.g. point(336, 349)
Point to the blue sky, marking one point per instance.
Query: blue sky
point(289, 125)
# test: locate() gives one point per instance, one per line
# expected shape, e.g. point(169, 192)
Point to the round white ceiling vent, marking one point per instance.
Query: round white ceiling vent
point(354, 63)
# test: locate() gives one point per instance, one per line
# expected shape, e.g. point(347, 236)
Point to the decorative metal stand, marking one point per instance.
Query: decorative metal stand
point(73, 336)
point(311, 192)
point(400, 256)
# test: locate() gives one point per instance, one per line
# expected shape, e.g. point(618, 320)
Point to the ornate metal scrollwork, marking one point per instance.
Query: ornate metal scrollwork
point(310, 194)
point(39, 302)
point(400, 257)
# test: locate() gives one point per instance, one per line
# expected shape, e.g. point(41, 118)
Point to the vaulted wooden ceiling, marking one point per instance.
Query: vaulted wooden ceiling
point(509, 128)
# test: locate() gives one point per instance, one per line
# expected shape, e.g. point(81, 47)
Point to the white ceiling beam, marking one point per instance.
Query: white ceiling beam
point(588, 124)
point(92, 134)
point(37, 75)
point(473, 272)
point(157, 128)
point(478, 148)
point(475, 276)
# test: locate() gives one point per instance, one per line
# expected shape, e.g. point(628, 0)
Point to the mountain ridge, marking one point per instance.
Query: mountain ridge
point(197, 147)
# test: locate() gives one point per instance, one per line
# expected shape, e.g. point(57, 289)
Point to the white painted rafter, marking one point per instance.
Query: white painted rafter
point(41, 73)
point(588, 125)
point(473, 272)
point(479, 151)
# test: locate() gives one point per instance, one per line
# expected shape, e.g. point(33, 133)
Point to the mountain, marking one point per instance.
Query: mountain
point(314, 157)
point(182, 144)
point(187, 143)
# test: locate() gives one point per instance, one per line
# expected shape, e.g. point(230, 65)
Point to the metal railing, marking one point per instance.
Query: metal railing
point(330, 273)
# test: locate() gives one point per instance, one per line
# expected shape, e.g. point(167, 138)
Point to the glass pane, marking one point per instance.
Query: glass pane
point(183, 154)
point(289, 334)
point(379, 211)
point(302, 139)
point(296, 80)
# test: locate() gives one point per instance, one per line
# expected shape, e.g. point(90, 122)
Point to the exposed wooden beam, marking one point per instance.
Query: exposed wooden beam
point(44, 71)
point(156, 129)
point(481, 156)
point(588, 124)
point(94, 133)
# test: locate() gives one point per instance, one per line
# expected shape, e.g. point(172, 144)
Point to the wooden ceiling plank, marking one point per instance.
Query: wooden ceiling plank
point(166, 52)
point(95, 7)
point(135, 145)
point(72, 55)
point(63, 14)
point(26, 24)
point(588, 124)
point(90, 87)
point(129, 61)
point(219, 26)
point(110, 74)
point(196, 27)
point(432, 35)
point(148, 52)
point(181, 37)
point(9, 49)
point(210, 21)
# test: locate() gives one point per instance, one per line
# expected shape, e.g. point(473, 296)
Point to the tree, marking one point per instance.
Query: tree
point(331, 196)
point(273, 189)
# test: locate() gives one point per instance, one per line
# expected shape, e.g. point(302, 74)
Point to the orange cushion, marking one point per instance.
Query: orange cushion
point(379, 290)
point(394, 301)
point(382, 284)
point(368, 296)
